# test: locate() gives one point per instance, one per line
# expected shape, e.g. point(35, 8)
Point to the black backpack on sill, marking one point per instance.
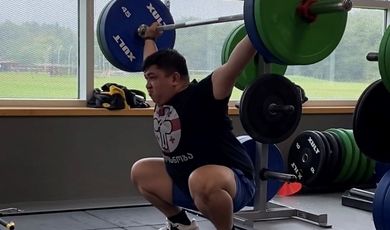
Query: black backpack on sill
point(113, 96)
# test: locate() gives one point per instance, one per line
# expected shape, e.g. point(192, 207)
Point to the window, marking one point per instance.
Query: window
point(39, 49)
point(44, 55)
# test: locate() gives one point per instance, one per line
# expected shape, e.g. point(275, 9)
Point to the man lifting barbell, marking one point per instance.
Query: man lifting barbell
point(204, 167)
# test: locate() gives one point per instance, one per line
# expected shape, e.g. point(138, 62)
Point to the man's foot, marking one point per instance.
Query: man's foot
point(176, 226)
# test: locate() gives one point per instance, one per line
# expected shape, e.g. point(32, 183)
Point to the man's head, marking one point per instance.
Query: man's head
point(166, 74)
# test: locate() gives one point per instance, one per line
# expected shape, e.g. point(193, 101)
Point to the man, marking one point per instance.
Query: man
point(204, 167)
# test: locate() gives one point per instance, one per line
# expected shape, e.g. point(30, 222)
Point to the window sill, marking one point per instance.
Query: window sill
point(83, 111)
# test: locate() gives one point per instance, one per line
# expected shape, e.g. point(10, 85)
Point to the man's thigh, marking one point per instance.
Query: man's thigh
point(244, 188)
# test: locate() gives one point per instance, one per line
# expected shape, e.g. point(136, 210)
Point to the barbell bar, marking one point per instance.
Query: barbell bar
point(120, 26)
point(142, 28)
point(314, 8)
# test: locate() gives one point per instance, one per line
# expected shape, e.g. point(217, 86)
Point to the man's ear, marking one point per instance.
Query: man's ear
point(176, 78)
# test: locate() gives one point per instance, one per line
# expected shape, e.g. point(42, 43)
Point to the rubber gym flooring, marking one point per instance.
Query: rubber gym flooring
point(143, 217)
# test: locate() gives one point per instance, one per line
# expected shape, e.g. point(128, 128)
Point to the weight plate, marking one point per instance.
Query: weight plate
point(99, 37)
point(354, 156)
point(254, 67)
point(307, 157)
point(379, 199)
point(293, 40)
point(119, 39)
point(383, 63)
point(370, 170)
point(326, 169)
point(250, 25)
point(275, 162)
point(270, 108)
point(358, 175)
point(371, 121)
point(386, 210)
point(346, 151)
point(334, 155)
point(380, 170)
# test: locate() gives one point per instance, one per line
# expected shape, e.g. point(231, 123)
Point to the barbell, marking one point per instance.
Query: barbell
point(295, 32)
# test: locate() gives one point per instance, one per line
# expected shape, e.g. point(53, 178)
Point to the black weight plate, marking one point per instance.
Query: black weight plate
point(258, 120)
point(307, 157)
point(326, 170)
point(334, 155)
point(372, 121)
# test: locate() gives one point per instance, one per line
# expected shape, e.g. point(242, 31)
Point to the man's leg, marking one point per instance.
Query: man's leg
point(153, 182)
point(213, 188)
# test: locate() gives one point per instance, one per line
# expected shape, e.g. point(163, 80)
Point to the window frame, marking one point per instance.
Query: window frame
point(86, 61)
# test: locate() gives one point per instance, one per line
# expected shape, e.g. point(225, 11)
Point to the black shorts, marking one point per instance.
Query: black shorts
point(244, 195)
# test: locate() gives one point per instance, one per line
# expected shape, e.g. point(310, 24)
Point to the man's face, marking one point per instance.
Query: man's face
point(160, 85)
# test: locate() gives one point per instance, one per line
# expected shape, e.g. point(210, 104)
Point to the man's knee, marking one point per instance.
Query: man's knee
point(147, 170)
point(137, 171)
point(202, 185)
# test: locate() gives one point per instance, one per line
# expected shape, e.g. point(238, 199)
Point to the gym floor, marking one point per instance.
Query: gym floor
point(68, 215)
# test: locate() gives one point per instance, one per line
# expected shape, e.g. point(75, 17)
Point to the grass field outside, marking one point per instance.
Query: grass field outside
point(20, 85)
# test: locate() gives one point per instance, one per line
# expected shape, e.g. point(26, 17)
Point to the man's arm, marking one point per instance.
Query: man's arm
point(149, 48)
point(225, 76)
point(151, 34)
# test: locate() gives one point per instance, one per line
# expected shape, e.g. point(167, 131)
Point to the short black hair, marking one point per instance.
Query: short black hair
point(169, 60)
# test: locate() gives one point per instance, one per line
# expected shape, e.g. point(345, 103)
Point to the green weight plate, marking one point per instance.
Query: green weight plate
point(354, 158)
point(363, 168)
point(347, 154)
point(383, 63)
point(252, 69)
point(293, 40)
point(370, 170)
point(362, 160)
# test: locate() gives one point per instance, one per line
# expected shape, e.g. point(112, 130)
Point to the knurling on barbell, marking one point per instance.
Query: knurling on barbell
point(120, 25)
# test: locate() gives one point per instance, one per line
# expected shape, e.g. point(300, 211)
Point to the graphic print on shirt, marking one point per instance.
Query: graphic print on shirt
point(167, 128)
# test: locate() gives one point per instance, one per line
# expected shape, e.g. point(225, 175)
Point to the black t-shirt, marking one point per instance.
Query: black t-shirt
point(193, 129)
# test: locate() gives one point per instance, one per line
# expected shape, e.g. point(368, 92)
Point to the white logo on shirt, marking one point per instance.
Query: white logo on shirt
point(167, 128)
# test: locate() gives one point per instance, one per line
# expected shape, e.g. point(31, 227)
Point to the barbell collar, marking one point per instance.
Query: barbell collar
point(323, 7)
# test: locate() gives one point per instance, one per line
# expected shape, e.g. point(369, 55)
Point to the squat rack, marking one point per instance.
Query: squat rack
point(268, 210)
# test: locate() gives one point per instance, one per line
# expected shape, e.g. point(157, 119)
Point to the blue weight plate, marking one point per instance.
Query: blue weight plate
point(386, 210)
point(275, 162)
point(380, 169)
point(379, 200)
point(250, 26)
point(120, 42)
point(98, 32)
